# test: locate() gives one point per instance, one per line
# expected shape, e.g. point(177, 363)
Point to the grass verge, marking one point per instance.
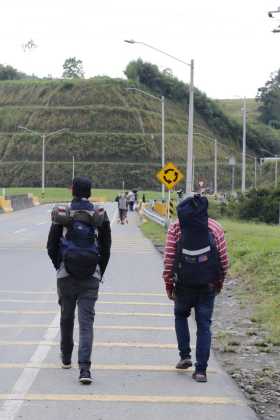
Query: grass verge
point(53, 195)
point(254, 251)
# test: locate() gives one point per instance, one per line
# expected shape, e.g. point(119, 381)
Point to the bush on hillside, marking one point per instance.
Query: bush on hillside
point(257, 205)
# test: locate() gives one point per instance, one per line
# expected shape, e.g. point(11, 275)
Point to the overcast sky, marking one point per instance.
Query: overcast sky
point(230, 40)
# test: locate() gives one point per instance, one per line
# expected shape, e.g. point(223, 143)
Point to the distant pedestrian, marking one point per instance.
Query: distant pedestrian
point(79, 245)
point(131, 200)
point(195, 266)
point(123, 207)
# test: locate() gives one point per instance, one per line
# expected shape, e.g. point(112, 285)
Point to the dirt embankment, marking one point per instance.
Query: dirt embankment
point(242, 348)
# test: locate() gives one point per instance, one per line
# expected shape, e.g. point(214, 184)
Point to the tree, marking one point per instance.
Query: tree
point(73, 68)
point(269, 97)
point(10, 73)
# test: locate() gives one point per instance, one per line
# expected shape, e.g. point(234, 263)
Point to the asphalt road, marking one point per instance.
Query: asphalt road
point(135, 347)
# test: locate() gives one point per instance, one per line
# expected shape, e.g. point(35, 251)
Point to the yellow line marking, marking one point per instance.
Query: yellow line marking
point(25, 292)
point(103, 302)
point(125, 398)
point(148, 368)
point(34, 312)
point(96, 344)
point(97, 327)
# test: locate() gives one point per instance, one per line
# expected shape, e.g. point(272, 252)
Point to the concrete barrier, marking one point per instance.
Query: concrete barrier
point(20, 202)
point(12, 203)
point(5, 205)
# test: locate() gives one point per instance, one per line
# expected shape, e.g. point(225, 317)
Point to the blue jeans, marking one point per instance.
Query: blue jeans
point(203, 304)
point(84, 294)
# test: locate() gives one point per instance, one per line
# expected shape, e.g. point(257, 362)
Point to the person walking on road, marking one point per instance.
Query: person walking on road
point(123, 208)
point(195, 266)
point(131, 200)
point(79, 245)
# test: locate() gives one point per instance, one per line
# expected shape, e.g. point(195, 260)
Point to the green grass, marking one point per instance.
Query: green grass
point(64, 194)
point(254, 251)
point(154, 232)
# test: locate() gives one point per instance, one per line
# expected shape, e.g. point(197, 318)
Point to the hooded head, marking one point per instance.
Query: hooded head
point(81, 187)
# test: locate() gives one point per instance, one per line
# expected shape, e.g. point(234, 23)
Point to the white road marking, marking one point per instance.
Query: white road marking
point(11, 407)
point(20, 230)
point(41, 223)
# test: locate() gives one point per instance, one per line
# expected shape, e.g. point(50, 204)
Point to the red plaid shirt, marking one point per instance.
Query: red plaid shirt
point(174, 235)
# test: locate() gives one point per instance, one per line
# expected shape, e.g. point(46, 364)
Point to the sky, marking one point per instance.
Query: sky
point(231, 42)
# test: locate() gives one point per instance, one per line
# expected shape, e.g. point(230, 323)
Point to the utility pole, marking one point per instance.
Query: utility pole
point(43, 164)
point(162, 143)
point(73, 167)
point(243, 186)
point(189, 180)
point(255, 173)
point(276, 172)
point(216, 166)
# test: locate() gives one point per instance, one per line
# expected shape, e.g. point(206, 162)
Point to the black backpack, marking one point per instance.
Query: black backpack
point(197, 261)
point(79, 244)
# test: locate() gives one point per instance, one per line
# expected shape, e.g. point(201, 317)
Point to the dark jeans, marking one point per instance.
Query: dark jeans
point(84, 293)
point(203, 304)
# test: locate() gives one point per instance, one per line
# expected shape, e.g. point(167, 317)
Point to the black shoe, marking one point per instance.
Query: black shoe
point(65, 361)
point(199, 376)
point(184, 363)
point(85, 377)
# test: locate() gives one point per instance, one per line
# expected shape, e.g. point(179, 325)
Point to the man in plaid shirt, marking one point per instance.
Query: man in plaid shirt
point(201, 299)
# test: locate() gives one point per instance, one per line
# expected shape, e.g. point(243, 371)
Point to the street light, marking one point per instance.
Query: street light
point(161, 99)
point(44, 137)
point(191, 110)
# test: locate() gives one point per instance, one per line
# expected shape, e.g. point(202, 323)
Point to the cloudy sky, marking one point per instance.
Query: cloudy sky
point(230, 40)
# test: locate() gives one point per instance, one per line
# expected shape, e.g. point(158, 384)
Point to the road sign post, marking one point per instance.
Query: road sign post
point(169, 175)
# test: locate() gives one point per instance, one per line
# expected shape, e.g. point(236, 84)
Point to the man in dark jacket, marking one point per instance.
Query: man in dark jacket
point(80, 290)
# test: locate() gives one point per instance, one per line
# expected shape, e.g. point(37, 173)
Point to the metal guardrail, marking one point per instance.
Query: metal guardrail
point(155, 217)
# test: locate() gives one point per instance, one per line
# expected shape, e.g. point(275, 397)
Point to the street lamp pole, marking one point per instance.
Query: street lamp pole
point(255, 173)
point(73, 167)
point(44, 137)
point(276, 172)
point(189, 176)
point(189, 169)
point(43, 163)
point(162, 141)
point(162, 100)
point(243, 186)
point(216, 167)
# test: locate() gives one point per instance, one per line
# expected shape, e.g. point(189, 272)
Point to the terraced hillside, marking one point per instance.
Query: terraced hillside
point(113, 133)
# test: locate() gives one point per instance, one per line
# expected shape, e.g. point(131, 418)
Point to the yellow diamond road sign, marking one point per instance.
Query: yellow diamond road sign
point(169, 175)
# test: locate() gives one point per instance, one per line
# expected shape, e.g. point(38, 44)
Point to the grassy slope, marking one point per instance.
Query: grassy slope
point(254, 256)
point(107, 124)
point(232, 108)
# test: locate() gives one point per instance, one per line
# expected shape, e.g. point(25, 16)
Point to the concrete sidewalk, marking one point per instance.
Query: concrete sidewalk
point(134, 352)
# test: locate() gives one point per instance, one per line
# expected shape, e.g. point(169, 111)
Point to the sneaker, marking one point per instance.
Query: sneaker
point(65, 361)
point(184, 363)
point(85, 377)
point(200, 376)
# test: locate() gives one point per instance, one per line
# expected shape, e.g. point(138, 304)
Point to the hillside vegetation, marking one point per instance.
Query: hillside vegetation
point(113, 133)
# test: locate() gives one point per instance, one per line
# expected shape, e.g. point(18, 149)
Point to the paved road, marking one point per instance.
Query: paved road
point(134, 353)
